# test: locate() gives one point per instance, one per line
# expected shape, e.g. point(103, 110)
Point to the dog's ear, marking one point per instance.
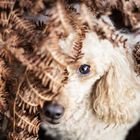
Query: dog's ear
point(113, 95)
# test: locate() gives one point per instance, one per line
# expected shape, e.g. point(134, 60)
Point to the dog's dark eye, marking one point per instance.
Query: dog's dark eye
point(84, 69)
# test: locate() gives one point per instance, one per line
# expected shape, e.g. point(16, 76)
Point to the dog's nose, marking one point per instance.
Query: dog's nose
point(53, 110)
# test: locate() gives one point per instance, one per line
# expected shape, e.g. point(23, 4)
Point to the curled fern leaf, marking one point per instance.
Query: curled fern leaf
point(22, 26)
point(60, 17)
point(23, 135)
point(27, 123)
point(7, 4)
point(6, 7)
point(77, 47)
point(136, 55)
point(32, 94)
point(47, 62)
point(4, 75)
point(33, 7)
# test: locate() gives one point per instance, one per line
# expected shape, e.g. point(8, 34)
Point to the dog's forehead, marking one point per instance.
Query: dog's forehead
point(97, 52)
point(93, 46)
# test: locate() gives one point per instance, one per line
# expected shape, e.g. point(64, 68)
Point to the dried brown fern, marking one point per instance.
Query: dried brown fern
point(22, 136)
point(31, 125)
point(5, 59)
point(136, 54)
point(77, 47)
point(131, 11)
point(103, 29)
point(45, 72)
point(4, 74)
point(60, 20)
point(32, 94)
point(35, 55)
point(64, 21)
point(22, 26)
point(128, 10)
point(6, 6)
point(33, 6)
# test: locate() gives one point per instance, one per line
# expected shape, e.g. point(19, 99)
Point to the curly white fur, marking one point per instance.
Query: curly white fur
point(103, 104)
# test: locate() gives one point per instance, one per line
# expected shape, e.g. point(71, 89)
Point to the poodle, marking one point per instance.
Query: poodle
point(101, 99)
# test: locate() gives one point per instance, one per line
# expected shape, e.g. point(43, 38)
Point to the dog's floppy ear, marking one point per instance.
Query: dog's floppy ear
point(113, 95)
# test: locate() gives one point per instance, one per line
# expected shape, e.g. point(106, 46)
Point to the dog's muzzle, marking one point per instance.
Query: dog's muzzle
point(51, 115)
point(45, 134)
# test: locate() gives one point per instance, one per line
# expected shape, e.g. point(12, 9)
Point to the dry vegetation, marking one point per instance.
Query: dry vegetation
point(32, 64)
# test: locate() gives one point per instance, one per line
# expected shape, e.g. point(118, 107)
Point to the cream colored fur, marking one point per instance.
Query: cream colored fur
point(104, 104)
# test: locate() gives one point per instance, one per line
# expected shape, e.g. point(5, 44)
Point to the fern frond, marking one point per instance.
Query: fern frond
point(32, 94)
point(6, 7)
point(131, 11)
point(111, 34)
point(43, 93)
point(77, 48)
point(86, 13)
point(64, 21)
point(61, 19)
point(26, 104)
point(8, 39)
point(43, 67)
point(22, 26)
point(3, 18)
point(27, 123)
point(23, 135)
point(2, 97)
point(103, 29)
point(7, 4)
point(6, 55)
point(4, 74)
point(136, 55)
point(33, 7)
point(4, 70)
point(51, 46)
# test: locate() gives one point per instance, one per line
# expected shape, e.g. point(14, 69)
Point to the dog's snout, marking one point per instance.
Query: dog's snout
point(53, 110)
point(47, 134)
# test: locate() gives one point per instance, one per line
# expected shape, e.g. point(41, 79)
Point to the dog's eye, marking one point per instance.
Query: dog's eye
point(84, 69)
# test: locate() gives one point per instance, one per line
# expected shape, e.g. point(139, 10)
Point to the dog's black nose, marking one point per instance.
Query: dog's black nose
point(53, 111)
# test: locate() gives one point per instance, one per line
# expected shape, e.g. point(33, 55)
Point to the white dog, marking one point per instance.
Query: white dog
point(101, 100)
